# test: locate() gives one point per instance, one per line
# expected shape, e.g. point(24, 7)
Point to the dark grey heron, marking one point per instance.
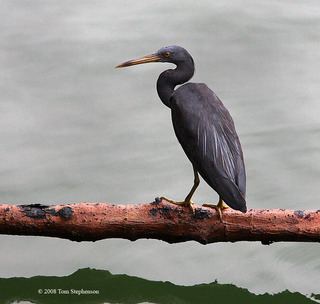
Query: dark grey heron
point(204, 128)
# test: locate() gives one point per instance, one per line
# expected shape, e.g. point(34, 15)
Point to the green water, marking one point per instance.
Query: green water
point(129, 290)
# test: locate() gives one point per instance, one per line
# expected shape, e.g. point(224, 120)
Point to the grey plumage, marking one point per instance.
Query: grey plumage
point(206, 132)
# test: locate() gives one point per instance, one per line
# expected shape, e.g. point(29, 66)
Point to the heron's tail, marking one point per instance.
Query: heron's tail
point(232, 196)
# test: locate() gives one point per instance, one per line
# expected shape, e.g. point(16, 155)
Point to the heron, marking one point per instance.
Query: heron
point(204, 128)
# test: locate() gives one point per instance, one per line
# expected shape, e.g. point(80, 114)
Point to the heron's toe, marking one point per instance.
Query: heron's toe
point(218, 208)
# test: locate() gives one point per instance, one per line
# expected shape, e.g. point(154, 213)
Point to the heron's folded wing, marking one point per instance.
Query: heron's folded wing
point(212, 139)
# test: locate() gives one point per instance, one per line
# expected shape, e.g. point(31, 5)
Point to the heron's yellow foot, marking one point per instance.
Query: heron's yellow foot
point(183, 203)
point(219, 207)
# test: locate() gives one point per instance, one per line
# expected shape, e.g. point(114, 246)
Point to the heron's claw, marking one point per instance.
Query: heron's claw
point(219, 207)
point(183, 203)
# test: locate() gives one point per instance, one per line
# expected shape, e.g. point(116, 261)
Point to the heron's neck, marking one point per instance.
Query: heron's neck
point(171, 78)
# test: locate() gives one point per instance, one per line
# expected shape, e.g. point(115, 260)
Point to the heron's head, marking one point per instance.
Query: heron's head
point(172, 54)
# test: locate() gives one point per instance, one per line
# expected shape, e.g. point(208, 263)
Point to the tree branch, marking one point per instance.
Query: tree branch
point(159, 220)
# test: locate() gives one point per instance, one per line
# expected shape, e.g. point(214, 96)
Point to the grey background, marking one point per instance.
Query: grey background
point(74, 129)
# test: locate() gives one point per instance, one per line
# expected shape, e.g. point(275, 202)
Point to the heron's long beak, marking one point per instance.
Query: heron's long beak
point(144, 59)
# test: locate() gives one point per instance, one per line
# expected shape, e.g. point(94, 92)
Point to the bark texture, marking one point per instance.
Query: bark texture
point(159, 220)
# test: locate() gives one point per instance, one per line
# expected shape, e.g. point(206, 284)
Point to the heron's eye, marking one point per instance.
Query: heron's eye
point(167, 54)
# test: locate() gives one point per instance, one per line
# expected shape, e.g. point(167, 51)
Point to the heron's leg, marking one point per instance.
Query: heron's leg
point(219, 207)
point(196, 183)
point(187, 201)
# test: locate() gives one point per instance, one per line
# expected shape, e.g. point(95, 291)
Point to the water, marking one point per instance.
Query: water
point(75, 129)
point(100, 286)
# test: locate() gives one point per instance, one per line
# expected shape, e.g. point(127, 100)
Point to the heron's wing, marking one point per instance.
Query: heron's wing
point(206, 132)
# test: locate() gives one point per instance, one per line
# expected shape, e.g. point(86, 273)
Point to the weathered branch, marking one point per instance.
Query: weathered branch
point(158, 220)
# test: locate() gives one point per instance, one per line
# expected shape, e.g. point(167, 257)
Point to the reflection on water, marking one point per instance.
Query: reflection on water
point(73, 128)
point(97, 286)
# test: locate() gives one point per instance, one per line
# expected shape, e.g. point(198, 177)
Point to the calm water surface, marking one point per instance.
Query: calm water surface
point(74, 129)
